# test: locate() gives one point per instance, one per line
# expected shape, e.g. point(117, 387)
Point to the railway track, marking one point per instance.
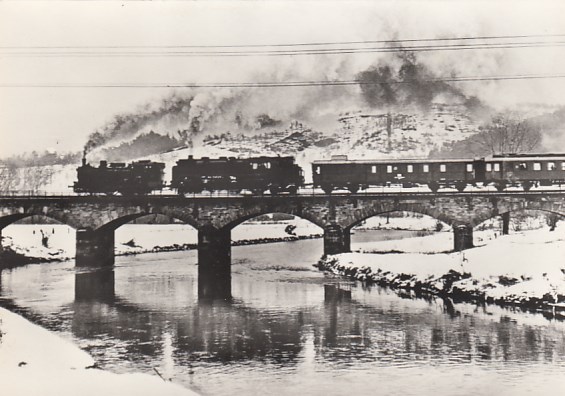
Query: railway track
point(301, 194)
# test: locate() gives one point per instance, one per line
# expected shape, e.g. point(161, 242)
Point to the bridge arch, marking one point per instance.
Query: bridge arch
point(516, 209)
point(249, 216)
point(56, 215)
point(120, 219)
point(361, 215)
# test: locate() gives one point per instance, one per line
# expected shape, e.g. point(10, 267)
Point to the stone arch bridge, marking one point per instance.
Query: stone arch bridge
point(97, 217)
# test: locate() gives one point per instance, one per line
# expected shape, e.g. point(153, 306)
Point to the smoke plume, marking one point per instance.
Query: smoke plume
point(404, 82)
point(391, 82)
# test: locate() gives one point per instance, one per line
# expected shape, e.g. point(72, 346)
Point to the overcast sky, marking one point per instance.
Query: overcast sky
point(33, 118)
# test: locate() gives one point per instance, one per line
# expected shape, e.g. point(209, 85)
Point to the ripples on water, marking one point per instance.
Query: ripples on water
point(289, 329)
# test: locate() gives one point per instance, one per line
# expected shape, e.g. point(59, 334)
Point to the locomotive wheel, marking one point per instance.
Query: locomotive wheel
point(292, 190)
point(328, 188)
point(527, 185)
point(500, 186)
point(460, 186)
point(274, 189)
point(433, 186)
point(353, 188)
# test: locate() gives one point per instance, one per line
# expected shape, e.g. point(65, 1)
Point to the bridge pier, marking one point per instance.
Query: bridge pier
point(336, 239)
point(94, 248)
point(505, 223)
point(214, 263)
point(462, 237)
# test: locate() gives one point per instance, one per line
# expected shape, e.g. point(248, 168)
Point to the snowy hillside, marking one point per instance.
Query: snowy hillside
point(359, 135)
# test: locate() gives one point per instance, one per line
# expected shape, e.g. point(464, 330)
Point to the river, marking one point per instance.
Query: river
point(289, 330)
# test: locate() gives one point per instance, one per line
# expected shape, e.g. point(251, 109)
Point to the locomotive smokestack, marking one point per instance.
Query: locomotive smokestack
point(84, 158)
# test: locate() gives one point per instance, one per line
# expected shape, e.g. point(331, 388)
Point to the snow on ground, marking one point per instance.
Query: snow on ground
point(408, 221)
point(516, 267)
point(33, 361)
point(26, 239)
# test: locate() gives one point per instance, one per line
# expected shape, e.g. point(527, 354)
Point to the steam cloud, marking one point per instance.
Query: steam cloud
point(404, 82)
point(394, 82)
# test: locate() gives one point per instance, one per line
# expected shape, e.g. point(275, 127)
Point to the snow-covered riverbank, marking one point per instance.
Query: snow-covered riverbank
point(525, 268)
point(34, 361)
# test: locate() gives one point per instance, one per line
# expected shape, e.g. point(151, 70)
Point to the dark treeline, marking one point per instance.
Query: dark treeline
point(142, 146)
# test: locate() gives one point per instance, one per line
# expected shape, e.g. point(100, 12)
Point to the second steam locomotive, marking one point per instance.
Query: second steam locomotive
point(281, 174)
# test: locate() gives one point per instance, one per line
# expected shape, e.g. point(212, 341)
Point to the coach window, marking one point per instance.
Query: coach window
point(563, 166)
point(426, 168)
point(268, 165)
point(522, 166)
point(537, 166)
point(255, 165)
point(550, 166)
point(469, 167)
point(409, 168)
point(389, 169)
point(317, 170)
point(497, 167)
point(489, 167)
point(442, 168)
point(374, 169)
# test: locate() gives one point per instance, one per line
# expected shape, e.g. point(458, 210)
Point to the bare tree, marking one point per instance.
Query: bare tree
point(508, 133)
point(9, 178)
point(36, 177)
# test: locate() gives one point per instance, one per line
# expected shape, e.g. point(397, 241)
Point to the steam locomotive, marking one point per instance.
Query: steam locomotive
point(281, 174)
point(276, 174)
point(502, 171)
point(139, 177)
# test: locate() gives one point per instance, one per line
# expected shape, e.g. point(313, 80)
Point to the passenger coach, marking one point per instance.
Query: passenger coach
point(500, 171)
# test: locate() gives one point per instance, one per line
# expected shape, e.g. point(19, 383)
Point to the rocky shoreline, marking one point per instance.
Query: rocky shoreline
point(456, 285)
point(11, 259)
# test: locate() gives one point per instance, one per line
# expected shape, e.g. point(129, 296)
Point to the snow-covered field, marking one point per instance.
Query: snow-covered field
point(34, 361)
point(524, 267)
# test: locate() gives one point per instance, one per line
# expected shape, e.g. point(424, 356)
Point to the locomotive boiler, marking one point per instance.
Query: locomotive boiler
point(258, 174)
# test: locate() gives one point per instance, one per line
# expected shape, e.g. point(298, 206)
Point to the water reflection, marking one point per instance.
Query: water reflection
point(95, 285)
point(285, 326)
point(344, 330)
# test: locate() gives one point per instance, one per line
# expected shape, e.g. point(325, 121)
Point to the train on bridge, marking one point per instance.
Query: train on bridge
point(275, 175)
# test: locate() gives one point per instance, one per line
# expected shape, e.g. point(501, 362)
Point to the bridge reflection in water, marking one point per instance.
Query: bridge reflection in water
point(343, 329)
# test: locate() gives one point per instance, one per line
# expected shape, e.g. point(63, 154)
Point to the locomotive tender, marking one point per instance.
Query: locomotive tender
point(258, 174)
point(524, 170)
point(139, 177)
